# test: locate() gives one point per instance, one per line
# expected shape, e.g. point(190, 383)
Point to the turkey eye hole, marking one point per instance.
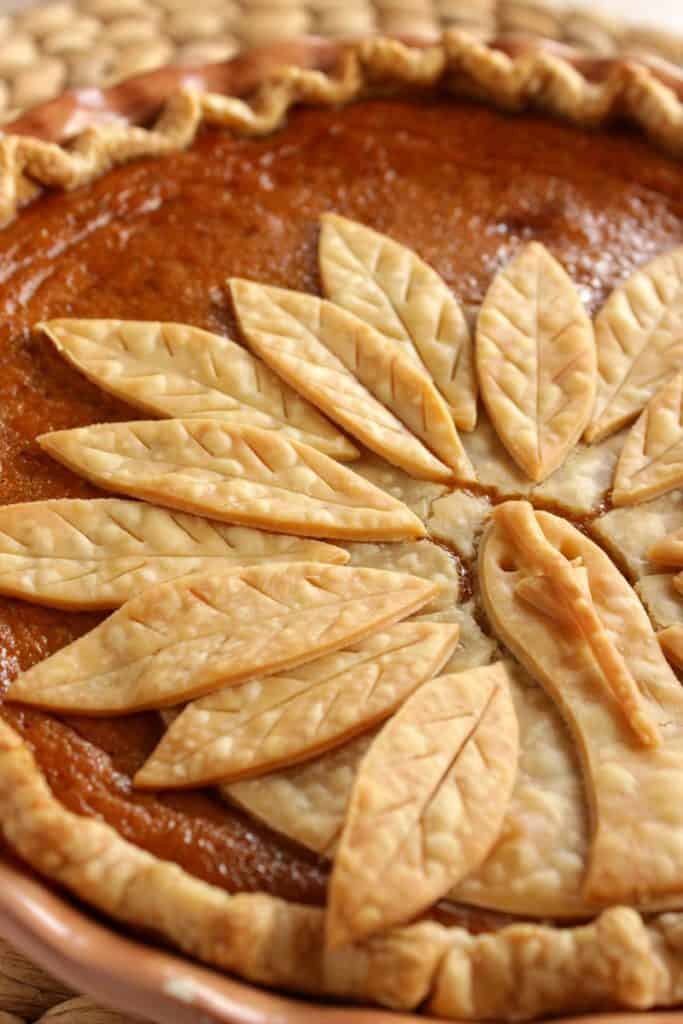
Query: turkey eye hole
point(508, 564)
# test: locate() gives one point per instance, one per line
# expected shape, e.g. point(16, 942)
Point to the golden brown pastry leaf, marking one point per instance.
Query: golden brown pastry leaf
point(354, 376)
point(639, 337)
point(651, 461)
point(186, 638)
point(240, 475)
point(427, 804)
point(402, 297)
point(179, 371)
point(268, 723)
point(633, 789)
point(78, 554)
point(535, 356)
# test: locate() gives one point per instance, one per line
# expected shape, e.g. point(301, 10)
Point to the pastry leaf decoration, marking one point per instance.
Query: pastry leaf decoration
point(347, 369)
point(427, 804)
point(306, 802)
point(540, 593)
point(241, 475)
point(668, 550)
point(190, 637)
point(631, 745)
point(639, 337)
point(671, 642)
point(266, 723)
point(569, 595)
point(178, 371)
point(651, 461)
point(402, 297)
point(535, 358)
point(84, 555)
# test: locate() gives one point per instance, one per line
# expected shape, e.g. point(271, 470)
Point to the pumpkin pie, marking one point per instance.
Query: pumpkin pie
point(341, 522)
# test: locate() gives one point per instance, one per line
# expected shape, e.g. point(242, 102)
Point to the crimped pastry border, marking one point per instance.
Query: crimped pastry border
point(513, 77)
point(518, 973)
point(523, 971)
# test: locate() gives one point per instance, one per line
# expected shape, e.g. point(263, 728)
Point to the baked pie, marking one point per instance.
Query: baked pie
point(341, 538)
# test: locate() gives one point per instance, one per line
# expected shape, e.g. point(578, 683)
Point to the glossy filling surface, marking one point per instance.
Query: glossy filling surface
point(156, 239)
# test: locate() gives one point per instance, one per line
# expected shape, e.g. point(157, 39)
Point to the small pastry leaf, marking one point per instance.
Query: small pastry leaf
point(427, 804)
point(402, 297)
point(639, 337)
point(354, 376)
point(668, 550)
point(651, 461)
point(671, 642)
point(267, 723)
point(240, 475)
point(536, 361)
point(177, 371)
point(187, 638)
point(82, 555)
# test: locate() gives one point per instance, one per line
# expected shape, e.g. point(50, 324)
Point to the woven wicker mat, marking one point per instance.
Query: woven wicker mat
point(90, 42)
point(45, 49)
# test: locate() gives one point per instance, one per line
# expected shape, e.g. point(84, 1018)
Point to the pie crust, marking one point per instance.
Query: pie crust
point(524, 970)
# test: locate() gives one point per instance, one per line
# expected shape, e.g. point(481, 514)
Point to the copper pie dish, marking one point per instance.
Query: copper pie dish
point(67, 940)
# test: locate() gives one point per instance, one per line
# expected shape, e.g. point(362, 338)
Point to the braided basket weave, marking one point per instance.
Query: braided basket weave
point(80, 43)
point(84, 43)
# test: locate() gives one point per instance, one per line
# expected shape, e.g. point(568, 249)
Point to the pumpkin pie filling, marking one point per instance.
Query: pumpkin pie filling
point(462, 185)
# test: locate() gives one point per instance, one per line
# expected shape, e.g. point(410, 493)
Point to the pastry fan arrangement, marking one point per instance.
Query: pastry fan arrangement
point(431, 645)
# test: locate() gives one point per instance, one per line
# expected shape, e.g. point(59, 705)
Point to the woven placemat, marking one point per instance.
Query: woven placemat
point(48, 48)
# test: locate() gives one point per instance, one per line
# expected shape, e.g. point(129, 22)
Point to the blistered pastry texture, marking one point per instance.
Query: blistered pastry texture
point(347, 370)
point(651, 461)
point(191, 637)
point(78, 554)
point(632, 786)
point(662, 601)
point(241, 475)
point(176, 370)
point(403, 298)
point(638, 341)
point(628, 534)
point(427, 803)
point(248, 730)
point(578, 487)
point(518, 973)
point(458, 519)
point(535, 357)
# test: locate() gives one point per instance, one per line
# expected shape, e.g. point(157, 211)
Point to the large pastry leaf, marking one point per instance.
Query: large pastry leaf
point(240, 475)
point(189, 637)
point(350, 372)
point(639, 336)
point(651, 461)
point(175, 370)
point(391, 288)
point(97, 554)
point(536, 361)
point(599, 660)
point(427, 804)
point(266, 723)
